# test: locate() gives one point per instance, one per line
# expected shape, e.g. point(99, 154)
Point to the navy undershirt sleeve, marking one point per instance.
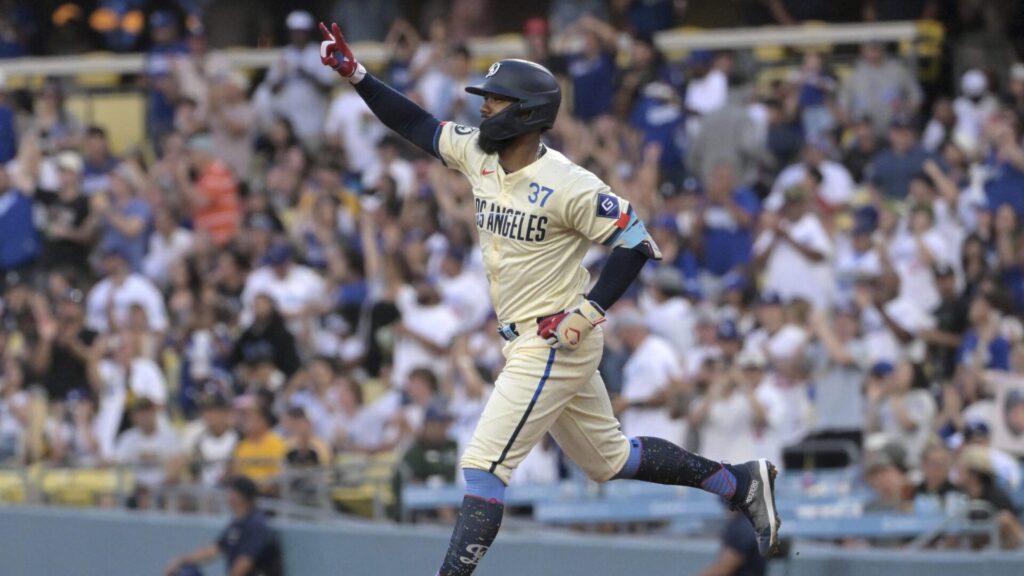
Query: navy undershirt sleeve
point(400, 114)
point(622, 268)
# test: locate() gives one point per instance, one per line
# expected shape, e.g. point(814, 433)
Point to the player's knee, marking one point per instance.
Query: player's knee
point(483, 484)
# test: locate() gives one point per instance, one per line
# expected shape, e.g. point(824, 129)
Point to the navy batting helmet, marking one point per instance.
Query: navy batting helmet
point(532, 88)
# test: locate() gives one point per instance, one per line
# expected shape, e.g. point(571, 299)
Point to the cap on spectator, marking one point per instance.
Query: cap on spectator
point(536, 26)
point(115, 251)
point(277, 254)
point(299, 20)
point(819, 143)
point(882, 368)
point(668, 279)
point(142, 404)
point(436, 412)
point(660, 91)
point(297, 412)
point(846, 308)
point(243, 486)
point(691, 185)
point(727, 330)
point(901, 121)
point(770, 298)
point(214, 401)
point(734, 281)
point(891, 455)
point(1017, 72)
point(700, 57)
point(794, 194)
point(751, 358)
point(665, 222)
point(975, 429)
point(70, 161)
point(942, 270)
point(162, 19)
point(974, 82)
point(978, 459)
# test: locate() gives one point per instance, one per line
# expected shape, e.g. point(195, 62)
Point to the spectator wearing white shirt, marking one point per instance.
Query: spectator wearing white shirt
point(118, 374)
point(785, 396)
point(796, 252)
point(857, 256)
point(351, 126)
point(903, 414)
point(110, 300)
point(706, 91)
point(424, 332)
point(835, 185)
point(169, 243)
point(914, 251)
point(297, 291)
point(388, 163)
point(464, 289)
point(669, 314)
point(210, 442)
point(650, 375)
point(729, 416)
point(974, 106)
point(150, 447)
point(296, 86)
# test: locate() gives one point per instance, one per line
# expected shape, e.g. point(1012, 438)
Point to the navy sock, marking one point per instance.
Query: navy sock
point(662, 462)
point(478, 524)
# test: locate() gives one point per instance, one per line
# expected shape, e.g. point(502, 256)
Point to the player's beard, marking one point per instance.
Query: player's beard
point(490, 145)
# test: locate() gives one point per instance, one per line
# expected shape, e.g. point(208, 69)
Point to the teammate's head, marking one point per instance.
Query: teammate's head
point(520, 97)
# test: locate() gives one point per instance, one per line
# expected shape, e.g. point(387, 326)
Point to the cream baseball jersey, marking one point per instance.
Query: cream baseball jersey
point(535, 224)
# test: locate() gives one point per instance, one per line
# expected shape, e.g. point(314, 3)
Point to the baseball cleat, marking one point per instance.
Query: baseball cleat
point(759, 505)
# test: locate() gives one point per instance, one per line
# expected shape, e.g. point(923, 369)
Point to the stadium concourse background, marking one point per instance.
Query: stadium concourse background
point(215, 261)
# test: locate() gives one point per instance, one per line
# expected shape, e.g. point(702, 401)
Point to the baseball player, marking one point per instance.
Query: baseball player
point(537, 214)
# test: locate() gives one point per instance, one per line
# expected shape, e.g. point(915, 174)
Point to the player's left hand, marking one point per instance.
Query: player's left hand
point(335, 53)
point(568, 329)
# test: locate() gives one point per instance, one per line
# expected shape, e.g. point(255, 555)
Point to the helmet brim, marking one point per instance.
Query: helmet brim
point(492, 89)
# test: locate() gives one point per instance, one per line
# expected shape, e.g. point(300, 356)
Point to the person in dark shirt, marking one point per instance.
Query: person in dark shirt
point(61, 357)
point(738, 556)
point(69, 231)
point(935, 465)
point(978, 481)
point(950, 324)
point(267, 338)
point(248, 544)
point(892, 169)
point(593, 69)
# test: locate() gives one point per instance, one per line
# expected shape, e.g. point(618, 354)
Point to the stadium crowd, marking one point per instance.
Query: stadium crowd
point(274, 278)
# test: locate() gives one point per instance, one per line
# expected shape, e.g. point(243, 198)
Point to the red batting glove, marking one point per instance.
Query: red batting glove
point(335, 52)
point(547, 328)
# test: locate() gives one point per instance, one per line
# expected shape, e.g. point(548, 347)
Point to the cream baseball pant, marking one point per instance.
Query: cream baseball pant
point(545, 390)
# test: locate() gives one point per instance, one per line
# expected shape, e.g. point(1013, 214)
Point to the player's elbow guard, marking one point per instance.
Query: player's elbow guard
point(636, 237)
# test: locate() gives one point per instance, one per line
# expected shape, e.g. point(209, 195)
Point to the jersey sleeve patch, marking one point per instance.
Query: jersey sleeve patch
point(607, 206)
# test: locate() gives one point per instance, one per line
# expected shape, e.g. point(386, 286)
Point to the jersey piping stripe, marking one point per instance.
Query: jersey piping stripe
point(618, 231)
point(437, 142)
point(526, 414)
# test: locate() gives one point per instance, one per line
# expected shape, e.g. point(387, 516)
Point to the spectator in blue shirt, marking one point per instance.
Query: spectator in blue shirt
point(125, 220)
point(98, 161)
point(658, 114)
point(592, 70)
point(248, 544)
point(1004, 166)
point(19, 240)
point(8, 137)
point(738, 555)
point(892, 169)
point(983, 346)
point(728, 220)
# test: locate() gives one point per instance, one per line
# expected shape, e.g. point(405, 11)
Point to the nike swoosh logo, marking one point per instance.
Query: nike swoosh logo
point(486, 172)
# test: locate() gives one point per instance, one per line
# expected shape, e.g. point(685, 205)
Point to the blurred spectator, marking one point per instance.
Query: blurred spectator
point(260, 452)
point(57, 127)
point(425, 331)
point(1004, 163)
point(162, 89)
point(20, 244)
point(936, 469)
point(983, 346)
point(592, 70)
point(443, 90)
point(120, 376)
point(707, 88)
point(169, 244)
point(296, 85)
point(305, 449)
point(1006, 467)
point(69, 234)
point(841, 365)
point(860, 149)
point(15, 411)
point(879, 87)
point(210, 442)
point(892, 169)
point(212, 193)
point(729, 416)
point(901, 413)
point(99, 161)
point(794, 250)
point(232, 121)
point(832, 183)
point(351, 126)
point(951, 322)
point(885, 470)
point(974, 106)
point(124, 219)
point(738, 555)
point(667, 312)
point(62, 354)
point(248, 544)
point(432, 458)
point(265, 340)
point(651, 375)
point(149, 447)
point(978, 480)
point(108, 303)
point(941, 126)
point(727, 222)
